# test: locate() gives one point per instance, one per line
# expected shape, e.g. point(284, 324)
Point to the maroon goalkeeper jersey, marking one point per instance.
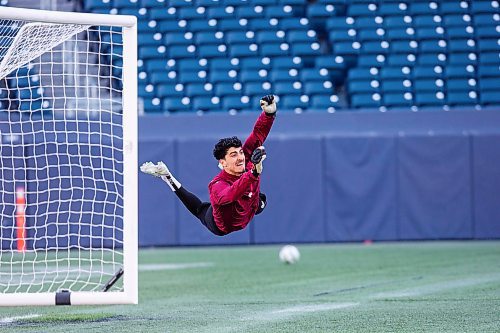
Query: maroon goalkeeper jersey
point(235, 199)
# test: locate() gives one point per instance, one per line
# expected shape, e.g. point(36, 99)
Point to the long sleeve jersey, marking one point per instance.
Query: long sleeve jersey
point(235, 199)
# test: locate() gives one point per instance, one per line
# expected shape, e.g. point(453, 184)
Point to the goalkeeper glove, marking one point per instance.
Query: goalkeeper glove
point(268, 104)
point(258, 156)
point(161, 170)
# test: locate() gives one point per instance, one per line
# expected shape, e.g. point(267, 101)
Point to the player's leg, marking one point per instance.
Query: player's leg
point(202, 210)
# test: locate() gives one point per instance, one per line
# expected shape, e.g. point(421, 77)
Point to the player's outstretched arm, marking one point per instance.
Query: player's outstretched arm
point(160, 170)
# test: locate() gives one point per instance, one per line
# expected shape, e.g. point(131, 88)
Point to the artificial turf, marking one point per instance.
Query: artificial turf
point(383, 287)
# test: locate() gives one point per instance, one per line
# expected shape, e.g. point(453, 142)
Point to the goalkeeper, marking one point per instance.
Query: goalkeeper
point(235, 192)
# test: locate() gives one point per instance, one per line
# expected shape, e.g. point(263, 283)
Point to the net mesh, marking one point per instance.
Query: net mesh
point(61, 151)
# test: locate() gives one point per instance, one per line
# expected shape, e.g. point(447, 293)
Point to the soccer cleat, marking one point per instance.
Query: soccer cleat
point(160, 170)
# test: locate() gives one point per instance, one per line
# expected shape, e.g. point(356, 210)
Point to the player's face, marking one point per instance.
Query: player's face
point(234, 161)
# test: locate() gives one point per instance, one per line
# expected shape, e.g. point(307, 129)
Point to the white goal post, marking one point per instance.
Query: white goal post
point(68, 158)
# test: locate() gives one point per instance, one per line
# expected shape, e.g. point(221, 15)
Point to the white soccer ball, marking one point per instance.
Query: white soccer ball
point(289, 254)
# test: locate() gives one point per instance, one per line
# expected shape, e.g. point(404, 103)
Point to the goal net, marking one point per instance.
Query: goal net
point(68, 158)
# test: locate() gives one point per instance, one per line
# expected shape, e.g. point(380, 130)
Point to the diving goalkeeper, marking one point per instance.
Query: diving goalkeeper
point(235, 192)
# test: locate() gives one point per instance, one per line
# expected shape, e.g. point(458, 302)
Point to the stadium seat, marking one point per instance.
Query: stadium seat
point(429, 98)
point(462, 98)
point(363, 87)
point(166, 90)
point(398, 99)
point(396, 86)
point(223, 76)
point(253, 75)
point(429, 84)
point(207, 103)
point(198, 89)
point(174, 104)
point(192, 65)
point(293, 102)
point(366, 100)
point(324, 102)
point(152, 105)
point(283, 75)
point(236, 102)
point(243, 50)
point(257, 89)
point(318, 88)
point(240, 37)
point(228, 88)
point(490, 97)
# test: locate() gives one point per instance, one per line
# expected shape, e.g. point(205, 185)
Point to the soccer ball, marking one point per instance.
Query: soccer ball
point(289, 254)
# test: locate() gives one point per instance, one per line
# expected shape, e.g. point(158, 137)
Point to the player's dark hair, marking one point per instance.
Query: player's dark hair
point(221, 148)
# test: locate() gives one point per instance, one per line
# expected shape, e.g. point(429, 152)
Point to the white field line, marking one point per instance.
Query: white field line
point(10, 320)
point(167, 267)
point(434, 288)
point(304, 309)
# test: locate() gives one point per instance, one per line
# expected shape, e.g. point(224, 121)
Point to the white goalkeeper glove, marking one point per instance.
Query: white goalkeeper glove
point(161, 170)
point(268, 104)
point(258, 156)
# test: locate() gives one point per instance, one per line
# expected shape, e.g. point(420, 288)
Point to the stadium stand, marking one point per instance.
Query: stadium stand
point(343, 54)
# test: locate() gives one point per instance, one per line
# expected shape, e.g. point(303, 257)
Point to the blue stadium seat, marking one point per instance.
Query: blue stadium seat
point(125, 4)
point(193, 65)
point(179, 3)
point(286, 62)
point(250, 12)
point(97, 5)
point(314, 88)
point(191, 13)
point(243, 50)
point(432, 59)
point(398, 99)
point(240, 37)
point(207, 103)
point(182, 51)
point(292, 102)
point(314, 74)
point(318, 11)
point(433, 46)
point(363, 74)
point(146, 90)
point(485, 20)
point(178, 38)
point(223, 64)
point(228, 88)
point(460, 71)
point(462, 59)
point(454, 7)
point(488, 45)
point(198, 89)
point(398, 21)
point(283, 75)
point(166, 90)
point(153, 3)
point(253, 75)
point(462, 98)
point(220, 12)
point(462, 45)
point(489, 70)
point(293, 23)
point(270, 37)
point(395, 73)
point(400, 60)
point(160, 14)
point(223, 76)
point(430, 98)
point(236, 102)
point(212, 50)
point(490, 97)
point(460, 84)
point(256, 89)
point(489, 84)
point(429, 84)
point(152, 104)
point(202, 25)
point(366, 100)
point(232, 24)
point(150, 39)
point(424, 8)
point(274, 49)
point(255, 63)
point(429, 72)
point(400, 86)
point(342, 35)
point(393, 8)
point(481, 6)
point(186, 77)
point(486, 32)
point(174, 104)
point(325, 102)
point(457, 20)
point(363, 87)
point(259, 24)
point(288, 88)
point(163, 77)
point(460, 32)
point(278, 11)
point(365, 9)
point(489, 58)
point(209, 37)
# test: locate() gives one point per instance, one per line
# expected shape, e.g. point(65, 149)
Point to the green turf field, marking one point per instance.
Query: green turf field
point(386, 287)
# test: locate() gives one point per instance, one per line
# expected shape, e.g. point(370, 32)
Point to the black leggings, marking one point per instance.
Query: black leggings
point(204, 211)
